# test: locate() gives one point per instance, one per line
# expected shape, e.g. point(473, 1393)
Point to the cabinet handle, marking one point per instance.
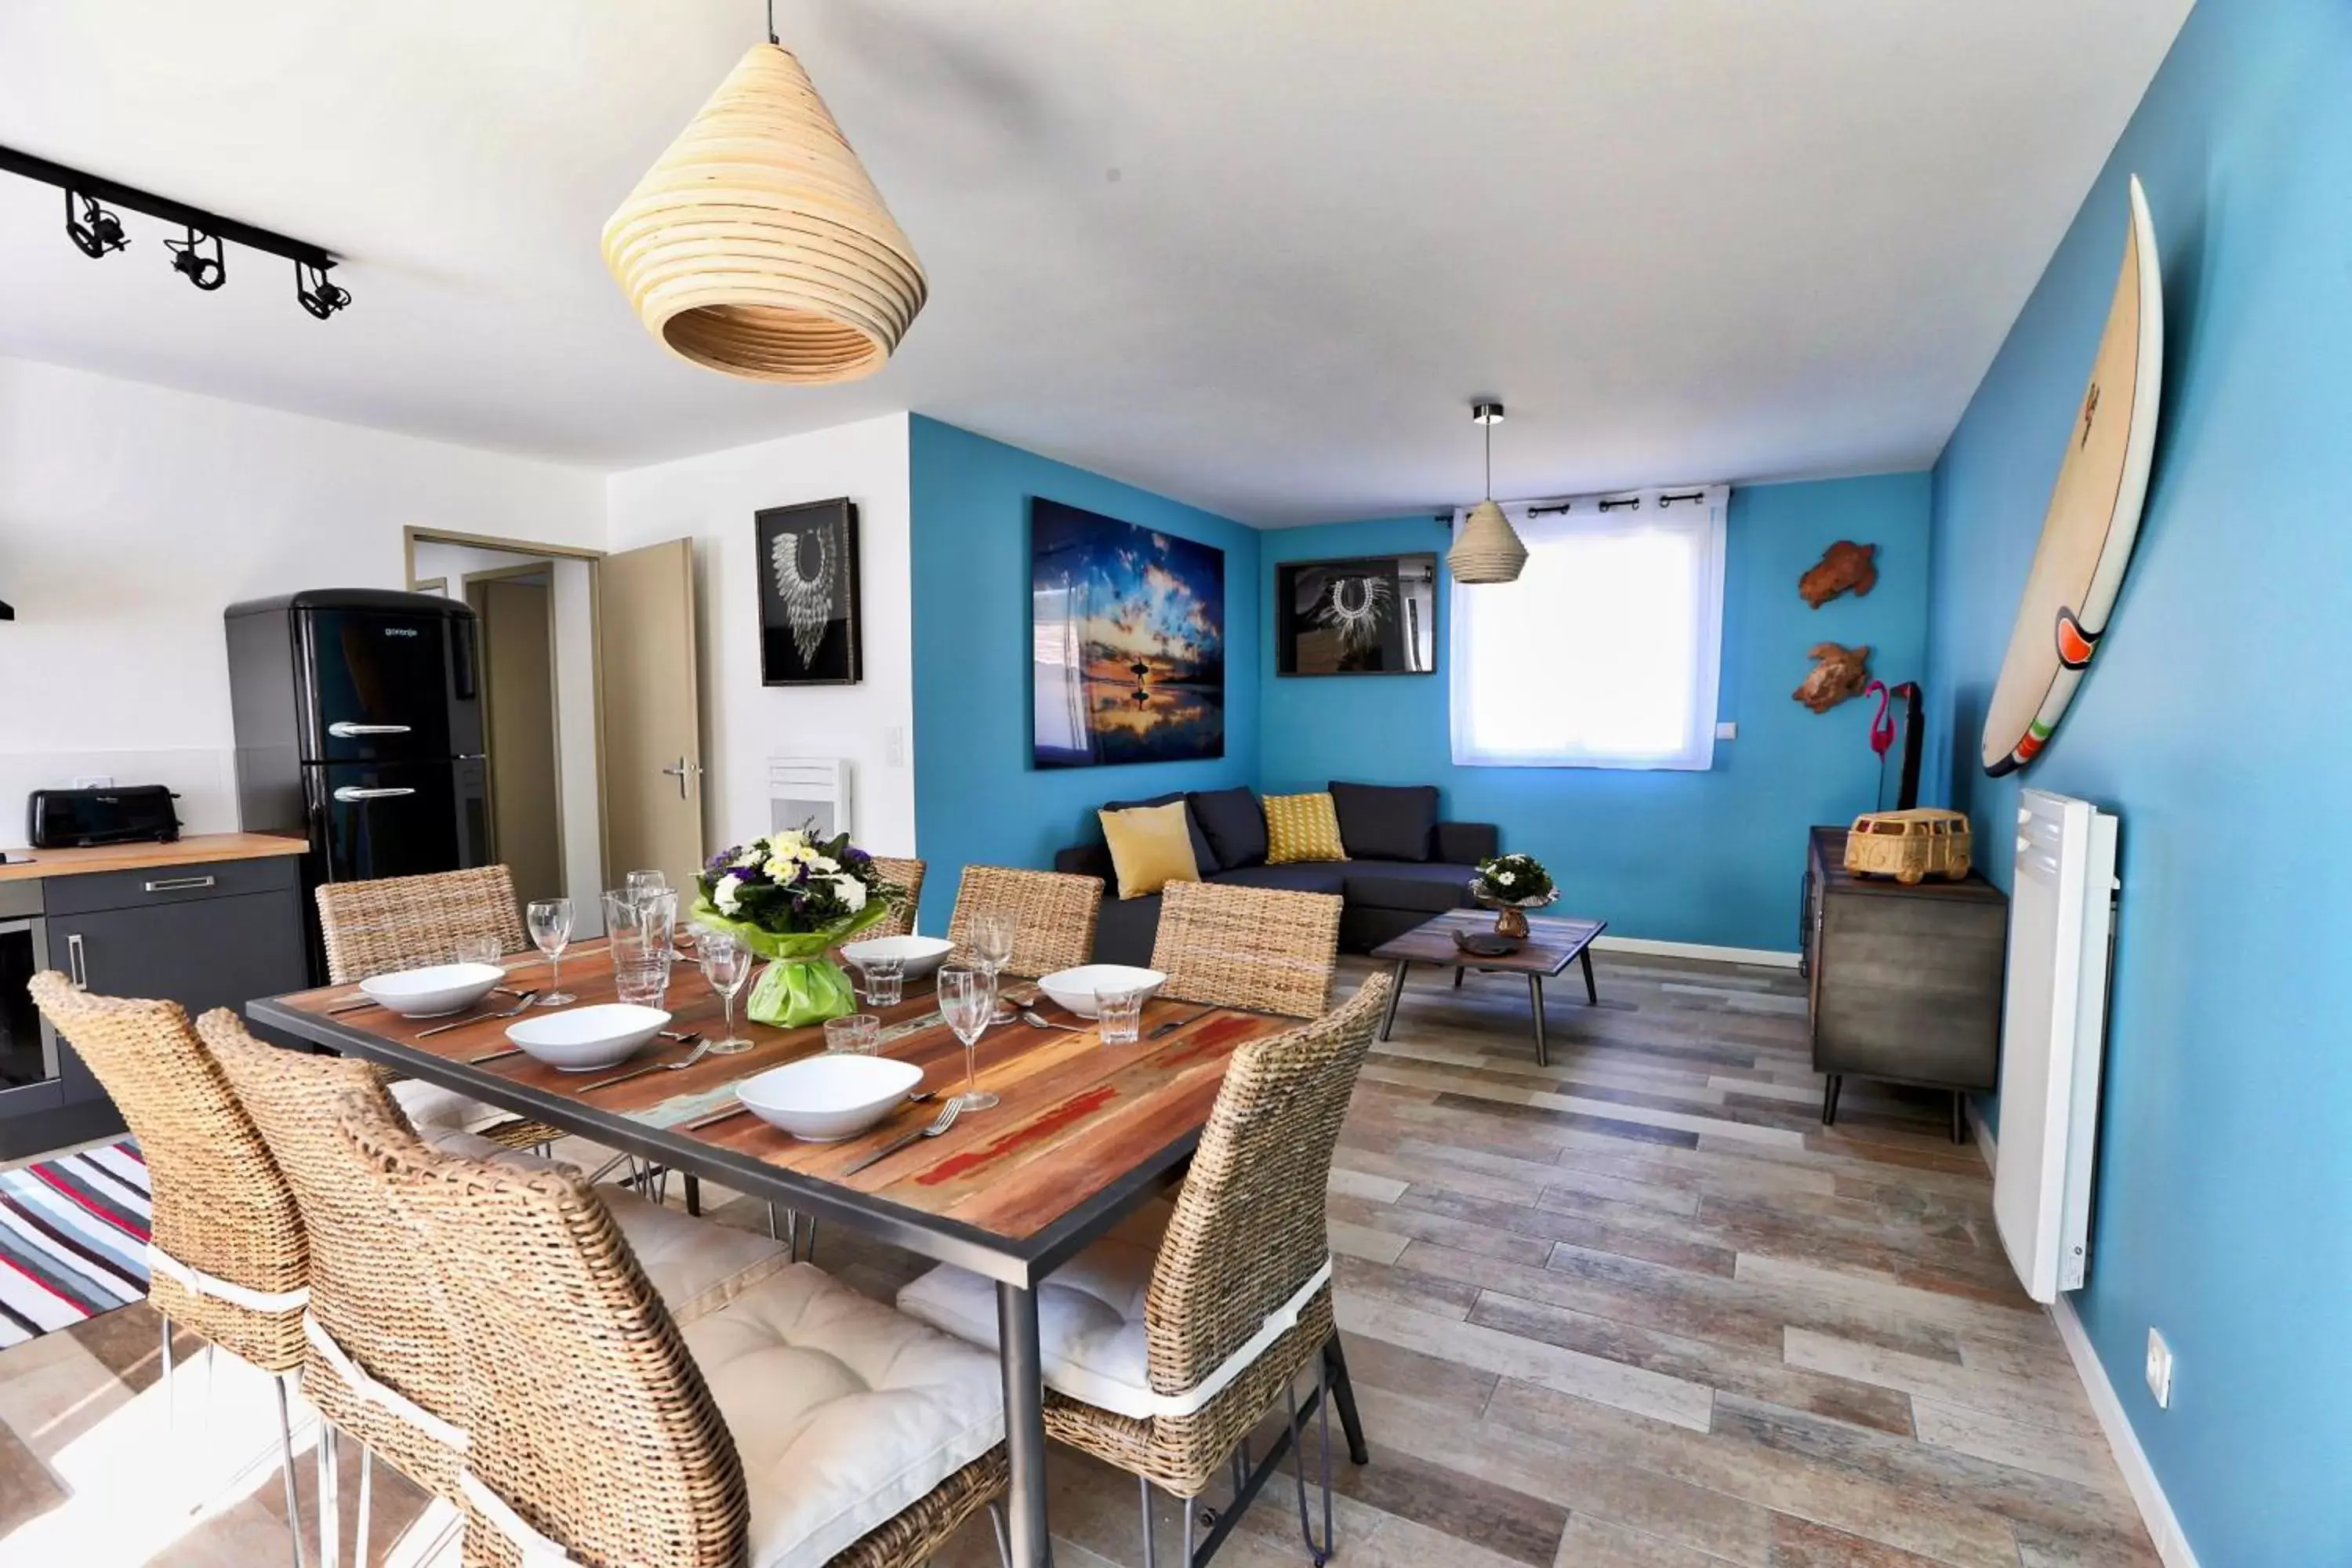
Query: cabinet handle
point(76, 964)
point(350, 792)
point(179, 884)
point(343, 729)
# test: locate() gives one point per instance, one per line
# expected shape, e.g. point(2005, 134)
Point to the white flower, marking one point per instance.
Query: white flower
point(728, 895)
point(824, 865)
point(1506, 878)
point(780, 869)
point(751, 854)
point(851, 892)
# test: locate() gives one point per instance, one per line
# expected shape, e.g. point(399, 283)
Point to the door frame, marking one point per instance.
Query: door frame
point(555, 707)
point(412, 536)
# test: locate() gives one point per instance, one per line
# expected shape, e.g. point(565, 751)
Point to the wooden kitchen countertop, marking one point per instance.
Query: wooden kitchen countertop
point(194, 849)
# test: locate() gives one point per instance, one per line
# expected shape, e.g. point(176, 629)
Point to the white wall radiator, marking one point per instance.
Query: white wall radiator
point(2053, 1037)
point(812, 791)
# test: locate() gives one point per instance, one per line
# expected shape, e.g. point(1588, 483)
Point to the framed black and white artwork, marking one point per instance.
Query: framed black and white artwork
point(808, 593)
point(1370, 615)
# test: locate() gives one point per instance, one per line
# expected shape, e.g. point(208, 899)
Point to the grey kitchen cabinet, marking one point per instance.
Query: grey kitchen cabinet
point(205, 935)
point(1906, 982)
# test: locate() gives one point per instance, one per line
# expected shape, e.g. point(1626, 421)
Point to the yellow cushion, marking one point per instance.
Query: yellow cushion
point(1151, 847)
point(1302, 828)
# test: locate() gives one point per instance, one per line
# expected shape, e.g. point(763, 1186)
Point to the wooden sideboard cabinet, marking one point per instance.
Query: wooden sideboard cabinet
point(1906, 982)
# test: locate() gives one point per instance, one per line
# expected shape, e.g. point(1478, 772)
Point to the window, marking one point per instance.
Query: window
point(1605, 653)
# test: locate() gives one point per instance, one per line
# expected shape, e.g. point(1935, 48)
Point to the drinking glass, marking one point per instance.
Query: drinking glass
point(1120, 1017)
point(642, 982)
point(659, 907)
point(479, 950)
point(860, 1033)
point(992, 949)
point(550, 932)
point(638, 883)
point(727, 964)
point(966, 1000)
point(629, 929)
point(886, 981)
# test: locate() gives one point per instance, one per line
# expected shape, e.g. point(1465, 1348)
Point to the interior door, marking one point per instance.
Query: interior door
point(518, 633)
point(646, 684)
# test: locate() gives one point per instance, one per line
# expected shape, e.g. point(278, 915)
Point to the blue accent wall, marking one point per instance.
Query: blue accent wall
point(2212, 721)
point(978, 801)
point(1712, 856)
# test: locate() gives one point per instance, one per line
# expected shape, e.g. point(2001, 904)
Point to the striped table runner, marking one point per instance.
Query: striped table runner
point(73, 1239)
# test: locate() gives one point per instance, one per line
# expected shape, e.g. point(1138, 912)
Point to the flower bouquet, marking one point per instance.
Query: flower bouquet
point(789, 897)
point(1511, 885)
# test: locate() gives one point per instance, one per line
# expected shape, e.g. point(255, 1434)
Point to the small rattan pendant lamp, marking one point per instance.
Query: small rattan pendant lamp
point(1488, 550)
point(758, 246)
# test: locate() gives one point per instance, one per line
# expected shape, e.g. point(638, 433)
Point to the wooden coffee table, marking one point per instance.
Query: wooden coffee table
point(1550, 946)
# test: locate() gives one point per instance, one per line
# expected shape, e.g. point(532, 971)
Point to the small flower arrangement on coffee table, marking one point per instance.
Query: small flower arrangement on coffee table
point(1511, 885)
point(790, 897)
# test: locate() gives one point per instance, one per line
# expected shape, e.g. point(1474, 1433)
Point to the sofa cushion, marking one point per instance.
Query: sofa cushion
point(843, 1412)
point(1385, 822)
point(1151, 847)
point(1301, 827)
point(1431, 885)
point(1234, 823)
point(1204, 856)
point(1303, 877)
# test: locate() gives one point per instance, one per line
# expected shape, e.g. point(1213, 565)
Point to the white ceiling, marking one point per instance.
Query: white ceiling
point(1258, 256)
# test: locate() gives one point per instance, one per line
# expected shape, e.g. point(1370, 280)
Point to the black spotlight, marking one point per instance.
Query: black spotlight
point(189, 260)
point(94, 230)
point(318, 297)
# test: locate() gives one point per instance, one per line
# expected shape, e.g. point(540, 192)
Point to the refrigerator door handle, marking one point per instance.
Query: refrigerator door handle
point(343, 729)
point(350, 792)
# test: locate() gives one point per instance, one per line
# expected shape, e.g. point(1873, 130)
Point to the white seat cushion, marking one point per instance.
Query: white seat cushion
point(1090, 1314)
point(698, 1264)
point(1091, 1336)
point(845, 1412)
point(430, 1105)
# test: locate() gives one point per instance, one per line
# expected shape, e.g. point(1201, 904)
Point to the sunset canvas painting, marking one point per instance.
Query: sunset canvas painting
point(1128, 637)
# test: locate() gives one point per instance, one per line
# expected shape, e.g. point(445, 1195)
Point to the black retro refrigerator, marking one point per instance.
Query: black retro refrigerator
point(359, 727)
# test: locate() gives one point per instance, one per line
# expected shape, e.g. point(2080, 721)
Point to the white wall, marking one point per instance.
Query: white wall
point(131, 515)
point(577, 783)
point(711, 498)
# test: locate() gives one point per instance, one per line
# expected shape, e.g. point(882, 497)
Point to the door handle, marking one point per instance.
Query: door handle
point(179, 884)
point(683, 772)
point(76, 964)
point(353, 792)
point(343, 729)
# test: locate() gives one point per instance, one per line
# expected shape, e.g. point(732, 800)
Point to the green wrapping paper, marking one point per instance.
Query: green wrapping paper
point(801, 985)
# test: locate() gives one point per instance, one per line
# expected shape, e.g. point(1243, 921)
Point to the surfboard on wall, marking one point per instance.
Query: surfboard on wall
point(2094, 516)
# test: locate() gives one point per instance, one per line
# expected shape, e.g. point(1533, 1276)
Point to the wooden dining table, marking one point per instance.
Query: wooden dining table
point(1085, 1134)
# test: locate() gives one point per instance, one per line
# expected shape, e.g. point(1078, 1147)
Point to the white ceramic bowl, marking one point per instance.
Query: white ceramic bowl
point(917, 955)
point(829, 1098)
point(1075, 988)
point(430, 992)
point(584, 1039)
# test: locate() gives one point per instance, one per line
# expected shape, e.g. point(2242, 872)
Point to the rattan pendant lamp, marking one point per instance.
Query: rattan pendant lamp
point(1488, 550)
point(757, 246)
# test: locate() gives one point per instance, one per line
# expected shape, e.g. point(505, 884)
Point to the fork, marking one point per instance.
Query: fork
point(945, 1120)
point(522, 1005)
point(699, 1051)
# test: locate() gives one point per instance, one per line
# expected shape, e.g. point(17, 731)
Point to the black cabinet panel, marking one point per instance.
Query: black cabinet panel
point(218, 952)
point(170, 884)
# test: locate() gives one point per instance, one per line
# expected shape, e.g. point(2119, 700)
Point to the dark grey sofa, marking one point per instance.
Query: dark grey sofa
point(1386, 892)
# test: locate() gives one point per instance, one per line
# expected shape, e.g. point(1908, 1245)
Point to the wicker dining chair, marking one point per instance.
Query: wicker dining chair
point(601, 1430)
point(405, 922)
point(225, 1253)
point(1221, 1299)
point(906, 874)
point(1264, 949)
point(1054, 915)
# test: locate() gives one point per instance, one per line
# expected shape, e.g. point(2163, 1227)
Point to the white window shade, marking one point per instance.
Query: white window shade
point(1607, 650)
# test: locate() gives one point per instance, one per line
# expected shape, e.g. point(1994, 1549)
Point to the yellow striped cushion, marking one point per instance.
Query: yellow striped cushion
point(1302, 828)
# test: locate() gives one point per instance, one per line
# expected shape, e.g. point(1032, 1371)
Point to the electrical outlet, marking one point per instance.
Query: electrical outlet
point(894, 747)
point(1727, 730)
point(2159, 1370)
point(95, 781)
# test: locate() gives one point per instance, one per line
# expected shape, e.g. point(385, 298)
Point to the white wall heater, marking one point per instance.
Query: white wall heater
point(803, 791)
point(2053, 1031)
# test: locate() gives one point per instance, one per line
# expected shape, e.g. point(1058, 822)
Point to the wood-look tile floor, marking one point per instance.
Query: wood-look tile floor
point(1638, 1307)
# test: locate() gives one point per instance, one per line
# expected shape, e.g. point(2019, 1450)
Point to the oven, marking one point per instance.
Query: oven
point(28, 1047)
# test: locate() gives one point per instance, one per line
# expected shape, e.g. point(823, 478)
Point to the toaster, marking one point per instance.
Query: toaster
point(73, 818)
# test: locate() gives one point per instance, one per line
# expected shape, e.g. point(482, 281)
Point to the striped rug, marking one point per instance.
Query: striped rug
point(73, 1239)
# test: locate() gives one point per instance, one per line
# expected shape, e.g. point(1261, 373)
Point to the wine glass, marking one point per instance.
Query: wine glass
point(966, 1000)
point(639, 883)
point(727, 964)
point(550, 932)
point(992, 949)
